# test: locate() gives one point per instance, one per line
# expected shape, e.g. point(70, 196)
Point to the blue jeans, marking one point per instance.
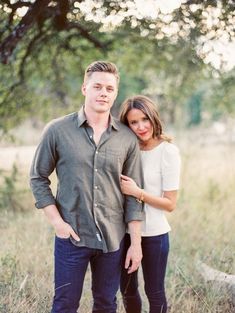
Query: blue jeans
point(155, 252)
point(71, 263)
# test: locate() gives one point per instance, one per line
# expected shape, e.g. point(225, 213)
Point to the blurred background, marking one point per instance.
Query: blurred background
point(180, 54)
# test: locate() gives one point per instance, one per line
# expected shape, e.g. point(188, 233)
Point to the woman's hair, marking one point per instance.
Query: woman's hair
point(147, 106)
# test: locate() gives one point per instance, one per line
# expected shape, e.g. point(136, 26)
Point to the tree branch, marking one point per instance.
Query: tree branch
point(85, 33)
point(9, 44)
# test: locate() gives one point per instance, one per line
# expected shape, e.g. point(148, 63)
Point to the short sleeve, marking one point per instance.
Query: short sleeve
point(170, 167)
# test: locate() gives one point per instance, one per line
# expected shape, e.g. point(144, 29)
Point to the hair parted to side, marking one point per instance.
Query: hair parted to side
point(148, 107)
point(101, 66)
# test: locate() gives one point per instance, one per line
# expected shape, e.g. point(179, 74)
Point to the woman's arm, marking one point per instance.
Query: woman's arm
point(166, 202)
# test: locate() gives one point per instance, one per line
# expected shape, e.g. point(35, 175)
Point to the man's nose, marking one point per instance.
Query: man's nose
point(103, 92)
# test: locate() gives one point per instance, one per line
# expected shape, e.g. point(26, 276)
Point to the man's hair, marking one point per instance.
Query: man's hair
point(101, 66)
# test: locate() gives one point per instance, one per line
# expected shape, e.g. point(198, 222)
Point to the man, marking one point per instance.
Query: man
point(89, 150)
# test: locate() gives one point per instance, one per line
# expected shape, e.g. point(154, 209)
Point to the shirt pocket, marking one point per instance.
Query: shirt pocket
point(113, 162)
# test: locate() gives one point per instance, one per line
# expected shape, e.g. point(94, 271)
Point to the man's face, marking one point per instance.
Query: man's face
point(100, 91)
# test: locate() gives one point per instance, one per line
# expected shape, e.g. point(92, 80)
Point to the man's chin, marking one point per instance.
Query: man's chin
point(103, 110)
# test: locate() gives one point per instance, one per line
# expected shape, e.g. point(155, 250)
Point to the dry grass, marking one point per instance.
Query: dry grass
point(202, 228)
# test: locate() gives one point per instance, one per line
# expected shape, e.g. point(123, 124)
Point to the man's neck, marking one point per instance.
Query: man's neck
point(99, 123)
point(97, 120)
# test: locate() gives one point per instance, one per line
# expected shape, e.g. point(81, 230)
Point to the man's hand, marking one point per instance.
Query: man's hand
point(64, 230)
point(133, 258)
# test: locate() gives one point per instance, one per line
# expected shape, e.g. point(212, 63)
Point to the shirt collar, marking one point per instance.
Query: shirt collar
point(82, 119)
point(113, 122)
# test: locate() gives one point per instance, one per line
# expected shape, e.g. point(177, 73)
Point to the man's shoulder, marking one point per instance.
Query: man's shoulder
point(123, 128)
point(62, 121)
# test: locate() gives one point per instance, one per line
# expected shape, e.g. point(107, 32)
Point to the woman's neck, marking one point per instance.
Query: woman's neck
point(150, 144)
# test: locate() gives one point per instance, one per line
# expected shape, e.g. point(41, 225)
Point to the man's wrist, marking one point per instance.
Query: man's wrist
point(57, 222)
point(136, 244)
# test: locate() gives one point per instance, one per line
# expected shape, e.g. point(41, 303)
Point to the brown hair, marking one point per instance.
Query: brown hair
point(147, 106)
point(101, 66)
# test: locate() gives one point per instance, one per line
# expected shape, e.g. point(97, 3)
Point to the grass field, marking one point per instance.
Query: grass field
point(202, 229)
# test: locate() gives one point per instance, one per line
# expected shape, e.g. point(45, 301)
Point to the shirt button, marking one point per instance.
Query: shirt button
point(96, 170)
point(96, 204)
point(96, 152)
point(96, 187)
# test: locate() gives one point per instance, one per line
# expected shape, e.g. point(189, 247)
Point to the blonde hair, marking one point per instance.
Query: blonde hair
point(102, 66)
point(148, 107)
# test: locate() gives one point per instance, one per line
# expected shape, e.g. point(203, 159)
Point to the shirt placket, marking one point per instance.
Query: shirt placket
point(96, 190)
point(97, 185)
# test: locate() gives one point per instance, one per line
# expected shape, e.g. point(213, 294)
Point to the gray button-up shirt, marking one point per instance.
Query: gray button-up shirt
point(88, 192)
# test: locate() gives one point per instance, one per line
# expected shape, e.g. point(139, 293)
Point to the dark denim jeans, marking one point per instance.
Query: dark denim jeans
point(155, 252)
point(70, 267)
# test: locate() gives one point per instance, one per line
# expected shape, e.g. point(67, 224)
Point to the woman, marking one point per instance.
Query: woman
point(161, 168)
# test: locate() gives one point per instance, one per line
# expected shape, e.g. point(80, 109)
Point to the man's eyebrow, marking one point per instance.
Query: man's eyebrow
point(99, 84)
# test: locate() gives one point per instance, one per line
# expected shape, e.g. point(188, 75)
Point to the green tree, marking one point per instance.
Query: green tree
point(45, 50)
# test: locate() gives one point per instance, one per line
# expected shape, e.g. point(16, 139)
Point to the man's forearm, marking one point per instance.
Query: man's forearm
point(134, 253)
point(135, 232)
point(53, 215)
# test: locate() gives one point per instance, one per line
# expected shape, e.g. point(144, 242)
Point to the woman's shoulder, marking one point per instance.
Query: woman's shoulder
point(169, 148)
point(170, 155)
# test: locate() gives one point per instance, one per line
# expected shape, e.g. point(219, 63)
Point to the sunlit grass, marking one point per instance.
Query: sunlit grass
point(202, 229)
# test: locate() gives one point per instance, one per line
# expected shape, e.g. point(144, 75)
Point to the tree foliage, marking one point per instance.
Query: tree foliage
point(45, 49)
point(46, 19)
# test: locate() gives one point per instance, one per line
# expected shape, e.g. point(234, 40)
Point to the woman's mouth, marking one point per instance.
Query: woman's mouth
point(143, 133)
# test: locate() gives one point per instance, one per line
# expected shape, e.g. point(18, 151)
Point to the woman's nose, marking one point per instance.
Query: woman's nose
point(141, 126)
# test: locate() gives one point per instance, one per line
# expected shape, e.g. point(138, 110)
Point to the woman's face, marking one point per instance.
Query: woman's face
point(140, 124)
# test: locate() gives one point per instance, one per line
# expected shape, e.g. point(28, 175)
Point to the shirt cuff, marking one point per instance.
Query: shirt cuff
point(134, 215)
point(49, 200)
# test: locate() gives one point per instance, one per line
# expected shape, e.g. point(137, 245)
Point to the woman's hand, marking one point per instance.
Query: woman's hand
point(129, 187)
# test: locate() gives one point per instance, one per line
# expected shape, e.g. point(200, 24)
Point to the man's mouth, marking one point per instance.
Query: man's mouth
point(101, 101)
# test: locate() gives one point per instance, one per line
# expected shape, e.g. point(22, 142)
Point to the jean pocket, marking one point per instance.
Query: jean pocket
point(62, 238)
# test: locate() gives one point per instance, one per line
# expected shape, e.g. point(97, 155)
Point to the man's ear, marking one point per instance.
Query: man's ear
point(83, 89)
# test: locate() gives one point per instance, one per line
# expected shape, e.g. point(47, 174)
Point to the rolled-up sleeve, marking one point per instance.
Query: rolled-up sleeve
point(43, 165)
point(132, 168)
